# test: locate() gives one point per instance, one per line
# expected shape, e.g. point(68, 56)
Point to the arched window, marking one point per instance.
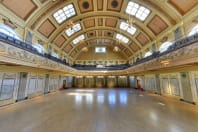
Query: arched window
point(9, 31)
point(55, 55)
point(147, 54)
point(194, 30)
point(39, 48)
point(165, 46)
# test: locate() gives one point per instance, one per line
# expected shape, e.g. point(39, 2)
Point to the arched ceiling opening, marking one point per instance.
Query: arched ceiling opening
point(99, 20)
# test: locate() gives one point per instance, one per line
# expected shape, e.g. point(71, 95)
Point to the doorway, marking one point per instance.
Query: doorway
point(22, 86)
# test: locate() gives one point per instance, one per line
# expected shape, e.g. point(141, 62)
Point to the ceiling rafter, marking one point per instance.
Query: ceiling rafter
point(103, 28)
point(46, 11)
point(103, 37)
point(93, 38)
point(158, 9)
point(132, 38)
point(168, 9)
point(50, 7)
point(139, 24)
point(56, 5)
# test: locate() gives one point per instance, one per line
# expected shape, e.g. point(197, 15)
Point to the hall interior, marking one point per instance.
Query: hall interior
point(93, 50)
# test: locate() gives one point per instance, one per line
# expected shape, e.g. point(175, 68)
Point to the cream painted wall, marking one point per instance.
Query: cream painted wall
point(109, 55)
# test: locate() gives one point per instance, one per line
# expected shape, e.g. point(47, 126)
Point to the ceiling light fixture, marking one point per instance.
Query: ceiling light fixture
point(116, 49)
point(114, 3)
point(131, 21)
point(165, 62)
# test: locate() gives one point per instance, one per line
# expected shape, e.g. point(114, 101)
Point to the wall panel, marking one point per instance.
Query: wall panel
point(100, 81)
point(8, 87)
point(165, 86)
point(69, 81)
point(122, 81)
point(132, 82)
point(186, 87)
point(36, 84)
point(53, 83)
point(111, 81)
point(79, 82)
point(150, 83)
point(89, 82)
point(170, 84)
point(174, 86)
point(196, 83)
point(32, 86)
point(22, 90)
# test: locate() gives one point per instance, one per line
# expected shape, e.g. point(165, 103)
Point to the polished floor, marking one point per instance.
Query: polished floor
point(100, 110)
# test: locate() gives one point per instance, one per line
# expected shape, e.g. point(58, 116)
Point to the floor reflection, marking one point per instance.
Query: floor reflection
point(100, 98)
point(102, 110)
point(89, 99)
point(123, 98)
point(153, 116)
point(174, 128)
point(112, 98)
point(78, 99)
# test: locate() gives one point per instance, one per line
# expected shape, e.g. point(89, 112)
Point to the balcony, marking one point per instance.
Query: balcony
point(26, 52)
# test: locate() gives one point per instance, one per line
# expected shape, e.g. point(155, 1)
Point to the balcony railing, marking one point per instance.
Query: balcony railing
point(175, 46)
point(28, 47)
point(95, 67)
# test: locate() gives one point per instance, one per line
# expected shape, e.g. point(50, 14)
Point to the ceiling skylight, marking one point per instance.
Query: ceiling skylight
point(130, 29)
point(75, 28)
point(78, 39)
point(64, 13)
point(138, 11)
point(100, 49)
point(122, 38)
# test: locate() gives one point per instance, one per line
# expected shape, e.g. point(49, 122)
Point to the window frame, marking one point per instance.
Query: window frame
point(137, 9)
point(104, 50)
point(5, 29)
point(61, 11)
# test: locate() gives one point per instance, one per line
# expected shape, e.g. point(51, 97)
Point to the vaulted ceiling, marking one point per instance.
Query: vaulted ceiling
point(99, 21)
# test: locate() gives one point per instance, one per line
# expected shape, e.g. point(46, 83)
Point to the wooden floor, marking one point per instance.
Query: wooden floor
point(100, 110)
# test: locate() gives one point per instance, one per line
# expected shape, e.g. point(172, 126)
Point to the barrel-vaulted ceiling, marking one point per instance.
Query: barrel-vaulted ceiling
point(65, 22)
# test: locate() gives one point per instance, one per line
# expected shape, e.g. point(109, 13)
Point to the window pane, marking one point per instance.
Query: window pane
point(147, 54)
point(73, 29)
point(122, 38)
point(130, 29)
point(193, 31)
point(7, 89)
point(9, 31)
point(39, 48)
point(78, 39)
point(100, 49)
point(165, 46)
point(64, 13)
point(138, 11)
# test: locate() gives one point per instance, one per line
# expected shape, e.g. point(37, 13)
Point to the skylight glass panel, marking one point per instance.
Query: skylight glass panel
point(130, 29)
point(193, 31)
point(122, 38)
point(132, 8)
point(78, 39)
point(165, 46)
point(142, 13)
point(64, 13)
point(100, 49)
point(73, 29)
point(147, 54)
point(138, 11)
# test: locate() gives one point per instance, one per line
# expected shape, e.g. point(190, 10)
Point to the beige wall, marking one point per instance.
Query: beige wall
point(109, 55)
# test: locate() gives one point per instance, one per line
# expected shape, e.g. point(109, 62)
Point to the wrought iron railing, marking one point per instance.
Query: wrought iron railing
point(28, 47)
